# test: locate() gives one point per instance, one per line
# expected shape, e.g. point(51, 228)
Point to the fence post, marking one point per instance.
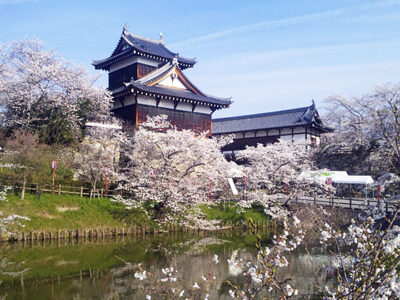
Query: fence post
point(59, 189)
point(350, 203)
point(81, 191)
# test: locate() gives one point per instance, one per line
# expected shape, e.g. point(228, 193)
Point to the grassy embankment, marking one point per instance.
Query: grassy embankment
point(53, 212)
point(229, 214)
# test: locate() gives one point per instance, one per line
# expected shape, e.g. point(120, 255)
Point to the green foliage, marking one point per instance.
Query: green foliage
point(25, 150)
point(3, 135)
point(229, 212)
point(135, 216)
point(58, 132)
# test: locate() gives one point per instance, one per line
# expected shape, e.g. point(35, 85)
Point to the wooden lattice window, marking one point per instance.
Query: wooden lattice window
point(143, 70)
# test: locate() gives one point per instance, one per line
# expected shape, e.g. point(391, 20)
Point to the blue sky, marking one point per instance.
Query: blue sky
point(266, 55)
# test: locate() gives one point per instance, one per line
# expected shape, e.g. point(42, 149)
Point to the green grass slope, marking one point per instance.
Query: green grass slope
point(53, 212)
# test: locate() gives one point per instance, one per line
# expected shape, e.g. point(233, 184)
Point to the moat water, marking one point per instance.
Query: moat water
point(96, 269)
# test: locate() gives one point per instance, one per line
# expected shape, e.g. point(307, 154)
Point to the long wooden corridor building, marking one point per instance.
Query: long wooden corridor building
point(296, 125)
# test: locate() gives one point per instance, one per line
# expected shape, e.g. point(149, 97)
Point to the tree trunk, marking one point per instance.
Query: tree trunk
point(94, 183)
point(23, 186)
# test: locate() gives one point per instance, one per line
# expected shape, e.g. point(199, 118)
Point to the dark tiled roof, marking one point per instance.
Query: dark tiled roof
point(277, 119)
point(153, 47)
point(177, 93)
point(142, 85)
point(138, 44)
point(156, 74)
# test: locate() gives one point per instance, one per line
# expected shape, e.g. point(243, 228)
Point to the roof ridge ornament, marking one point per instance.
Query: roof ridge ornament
point(149, 47)
point(175, 59)
point(162, 39)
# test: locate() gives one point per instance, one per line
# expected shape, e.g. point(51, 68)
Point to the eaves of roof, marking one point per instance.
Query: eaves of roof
point(172, 94)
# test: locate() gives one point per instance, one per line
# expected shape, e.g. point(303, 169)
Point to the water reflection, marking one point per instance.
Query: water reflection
point(94, 269)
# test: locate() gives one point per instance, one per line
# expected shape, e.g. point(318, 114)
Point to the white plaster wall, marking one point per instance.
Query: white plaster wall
point(203, 109)
point(184, 107)
point(131, 60)
point(286, 131)
point(175, 83)
point(166, 104)
point(128, 100)
point(146, 100)
point(273, 132)
point(239, 135)
point(249, 134)
point(261, 133)
point(298, 130)
point(147, 61)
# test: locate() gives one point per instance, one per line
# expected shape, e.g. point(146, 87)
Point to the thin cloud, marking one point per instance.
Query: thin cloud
point(299, 72)
point(286, 22)
point(249, 57)
point(8, 2)
point(374, 18)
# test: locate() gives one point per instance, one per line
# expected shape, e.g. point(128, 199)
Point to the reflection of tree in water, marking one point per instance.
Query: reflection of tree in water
point(10, 269)
point(194, 246)
point(302, 267)
point(190, 260)
point(104, 276)
point(191, 267)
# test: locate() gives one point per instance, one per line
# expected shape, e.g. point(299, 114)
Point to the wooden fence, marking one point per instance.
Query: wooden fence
point(348, 203)
point(133, 230)
point(70, 190)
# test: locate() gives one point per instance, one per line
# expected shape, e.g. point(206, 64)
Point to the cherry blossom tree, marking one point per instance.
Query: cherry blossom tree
point(368, 126)
point(29, 159)
point(175, 169)
point(366, 256)
point(42, 92)
point(389, 183)
point(275, 174)
point(273, 167)
point(99, 152)
point(262, 276)
point(6, 221)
